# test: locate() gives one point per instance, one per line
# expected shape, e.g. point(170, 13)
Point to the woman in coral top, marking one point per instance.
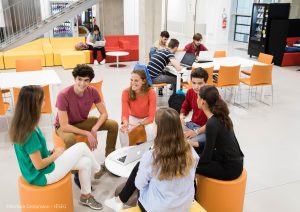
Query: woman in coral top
point(138, 106)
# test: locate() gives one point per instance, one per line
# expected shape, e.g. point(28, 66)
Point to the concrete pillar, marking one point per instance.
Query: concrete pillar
point(150, 25)
point(111, 17)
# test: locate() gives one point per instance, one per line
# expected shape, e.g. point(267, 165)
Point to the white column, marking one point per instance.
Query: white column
point(150, 25)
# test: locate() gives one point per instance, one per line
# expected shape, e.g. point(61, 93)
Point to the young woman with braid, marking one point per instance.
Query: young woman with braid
point(222, 157)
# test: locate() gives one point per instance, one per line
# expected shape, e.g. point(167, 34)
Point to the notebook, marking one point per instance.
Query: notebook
point(132, 154)
point(188, 60)
point(205, 57)
point(100, 43)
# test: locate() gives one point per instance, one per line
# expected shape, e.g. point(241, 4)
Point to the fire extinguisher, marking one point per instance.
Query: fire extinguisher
point(224, 19)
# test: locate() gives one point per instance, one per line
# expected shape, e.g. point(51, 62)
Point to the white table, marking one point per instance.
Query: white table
point(117, 168)
point(229, 61)
point(117, 54)
point(217, 62)
point(20, 79)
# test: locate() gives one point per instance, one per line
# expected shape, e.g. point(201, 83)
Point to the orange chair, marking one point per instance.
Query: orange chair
point(228, 77)
point(262, 58)
point(219, 54)
point(261, 75)
point(52, 198)
point(98, 86)
point(196, 207)
point(3, 107)
point(46, 109)
point(219, 196)
point(59, 143)
point(28, 65)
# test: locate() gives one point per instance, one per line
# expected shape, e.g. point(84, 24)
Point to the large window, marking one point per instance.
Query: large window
point(243, 20)
point(242, 28)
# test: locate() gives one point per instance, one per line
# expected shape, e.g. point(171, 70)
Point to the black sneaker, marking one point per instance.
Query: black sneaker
point(77, 181)
point(160, 92)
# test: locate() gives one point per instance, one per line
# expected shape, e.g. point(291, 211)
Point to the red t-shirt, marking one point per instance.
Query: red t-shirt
point(190, 103)
point(191, 48)
point(77, 107)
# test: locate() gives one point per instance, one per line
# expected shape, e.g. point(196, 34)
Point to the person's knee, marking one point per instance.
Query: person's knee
point(70, 140)
point(85, 163)
point(112, 125)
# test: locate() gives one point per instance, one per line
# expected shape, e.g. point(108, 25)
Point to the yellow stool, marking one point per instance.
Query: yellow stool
point(71, 59)
point(59, 143)
point(1, 61)
point(196, 207)
point(55, 197)
point(219, 195)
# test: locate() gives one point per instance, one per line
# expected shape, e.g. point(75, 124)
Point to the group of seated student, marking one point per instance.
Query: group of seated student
point(163, 54)
point(165, 175)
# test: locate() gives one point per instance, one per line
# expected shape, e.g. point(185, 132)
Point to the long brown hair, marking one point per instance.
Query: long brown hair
point(216, 105)
point(172, 154)
point(145, 87)
point(27, 113)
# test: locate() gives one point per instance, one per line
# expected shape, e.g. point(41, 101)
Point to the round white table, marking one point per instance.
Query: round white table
point(117, 168)
point(117, 55)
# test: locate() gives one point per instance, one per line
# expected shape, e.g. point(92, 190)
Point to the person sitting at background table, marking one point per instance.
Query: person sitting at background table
point(158, 63)
point(40, 166)
point(161, 43)
point(196, 46)
point(222, 157)
point(165, 174)
point(195, 129)
point(138, 106)
point(91, 39)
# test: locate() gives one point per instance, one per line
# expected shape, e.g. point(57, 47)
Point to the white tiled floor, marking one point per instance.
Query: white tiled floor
point(268, 136)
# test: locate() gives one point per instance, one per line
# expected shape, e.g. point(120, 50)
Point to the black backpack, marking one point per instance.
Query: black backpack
point(176, 101)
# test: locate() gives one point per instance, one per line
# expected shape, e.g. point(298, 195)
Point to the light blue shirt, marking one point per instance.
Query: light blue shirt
point(166, 195)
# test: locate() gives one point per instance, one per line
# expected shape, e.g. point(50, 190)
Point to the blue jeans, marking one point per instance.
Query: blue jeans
point(199, 138)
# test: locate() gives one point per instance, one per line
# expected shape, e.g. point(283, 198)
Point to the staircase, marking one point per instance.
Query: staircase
point(38, 28)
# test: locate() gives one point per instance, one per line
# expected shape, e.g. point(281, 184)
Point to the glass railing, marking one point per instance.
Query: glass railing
point(26, 15)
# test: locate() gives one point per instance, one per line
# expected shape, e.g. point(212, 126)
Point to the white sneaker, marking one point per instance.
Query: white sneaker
point(114, 204)
point(96, 62)
point(102, 62)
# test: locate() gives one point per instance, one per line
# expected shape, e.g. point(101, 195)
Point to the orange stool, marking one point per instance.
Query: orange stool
point(52, 198)
point(196, 207)
point(219, 196)
point(59, 143)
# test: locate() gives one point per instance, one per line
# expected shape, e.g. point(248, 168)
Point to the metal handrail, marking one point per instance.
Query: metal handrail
point(24, 15)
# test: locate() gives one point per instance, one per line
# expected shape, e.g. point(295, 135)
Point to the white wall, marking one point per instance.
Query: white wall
point(2, 23)
point(209, 20)
point(176, 16)
point(131, 17)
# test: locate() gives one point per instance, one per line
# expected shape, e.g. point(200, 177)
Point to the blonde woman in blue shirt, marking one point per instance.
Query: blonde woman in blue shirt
point(165, 175)
point(38, 165)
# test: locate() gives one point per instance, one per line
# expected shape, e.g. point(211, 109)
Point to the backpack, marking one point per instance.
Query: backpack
point(175, 101)
point(143, 67)
point(81, 46)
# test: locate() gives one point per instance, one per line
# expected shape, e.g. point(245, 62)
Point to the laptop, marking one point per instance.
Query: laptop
point(100, 43)
point(188, 60)
point(205, 57)
point(133, 153)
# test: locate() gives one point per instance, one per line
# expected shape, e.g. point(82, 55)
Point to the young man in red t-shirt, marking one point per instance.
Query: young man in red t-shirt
point(196, 46)
point(74, 103)
point(194, 129)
